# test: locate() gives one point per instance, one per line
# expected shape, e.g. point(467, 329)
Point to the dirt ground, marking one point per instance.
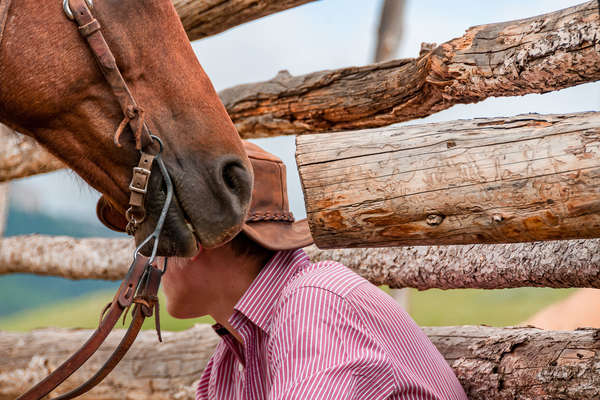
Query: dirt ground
point(579, 310)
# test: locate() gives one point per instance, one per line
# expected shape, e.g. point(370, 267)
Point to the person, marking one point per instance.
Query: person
point(292, 329)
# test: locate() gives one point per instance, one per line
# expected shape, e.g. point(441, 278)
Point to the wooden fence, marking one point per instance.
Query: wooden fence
point(449, 188)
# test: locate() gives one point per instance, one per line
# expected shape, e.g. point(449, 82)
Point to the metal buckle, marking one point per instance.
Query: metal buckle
point(163, 215)
point(143, 171)
point(68, 11)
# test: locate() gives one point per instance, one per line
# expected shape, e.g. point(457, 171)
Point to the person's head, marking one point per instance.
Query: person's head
point(195, 286)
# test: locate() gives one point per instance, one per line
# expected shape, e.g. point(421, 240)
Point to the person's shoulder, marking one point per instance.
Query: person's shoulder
point(329, 276)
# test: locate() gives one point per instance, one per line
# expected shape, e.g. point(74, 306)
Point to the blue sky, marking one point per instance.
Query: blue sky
point(323, 35)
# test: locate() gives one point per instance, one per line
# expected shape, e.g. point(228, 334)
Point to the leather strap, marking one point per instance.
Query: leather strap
point(123, 298)
point(138, 187)
point(141, 284)
point(89, 28)
point(145, 303)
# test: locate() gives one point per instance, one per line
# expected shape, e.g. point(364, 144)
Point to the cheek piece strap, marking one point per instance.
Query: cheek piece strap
point(140, 286)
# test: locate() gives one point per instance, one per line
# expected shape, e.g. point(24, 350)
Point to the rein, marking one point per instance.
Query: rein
point(140, 286)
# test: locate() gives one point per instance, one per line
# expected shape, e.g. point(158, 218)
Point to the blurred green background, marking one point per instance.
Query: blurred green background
point(429, 308)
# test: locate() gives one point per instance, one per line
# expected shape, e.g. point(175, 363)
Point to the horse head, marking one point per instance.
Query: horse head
point(52, 89)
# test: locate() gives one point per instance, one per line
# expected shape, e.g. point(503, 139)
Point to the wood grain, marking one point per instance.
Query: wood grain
point(534, 55)
point(557, 264)
point(202, 18)
point(495, 180)
point(21, 156)
point(150, 370)
point(491, 363)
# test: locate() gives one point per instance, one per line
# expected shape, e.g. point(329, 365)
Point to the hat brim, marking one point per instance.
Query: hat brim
point(271, 235)
point(279, 235)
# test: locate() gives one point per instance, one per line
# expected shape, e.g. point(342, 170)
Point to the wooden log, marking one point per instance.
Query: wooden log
point(491, 363)
point(21, 156)
point(522, 363)
point(560, 264)
point(202, 18)
point(557, 264)
point(67, 257)
point(389, 34)
point(150, 370)
point(494, 180)
point(535, 55)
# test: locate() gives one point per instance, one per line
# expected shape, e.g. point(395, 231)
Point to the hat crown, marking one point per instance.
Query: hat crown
point(269, 193)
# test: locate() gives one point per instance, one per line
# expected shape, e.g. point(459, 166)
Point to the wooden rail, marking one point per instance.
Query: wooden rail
point(491, 363)
point(202, 18)
point(558, 264)
point(534, 55)
point(488, 180)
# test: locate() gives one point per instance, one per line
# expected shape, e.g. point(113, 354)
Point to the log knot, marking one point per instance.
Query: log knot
point(435, 219)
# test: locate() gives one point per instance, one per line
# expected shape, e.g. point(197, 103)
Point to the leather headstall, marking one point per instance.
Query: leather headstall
point(140, 286)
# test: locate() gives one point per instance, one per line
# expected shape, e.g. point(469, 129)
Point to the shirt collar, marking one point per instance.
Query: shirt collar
point(258, 301)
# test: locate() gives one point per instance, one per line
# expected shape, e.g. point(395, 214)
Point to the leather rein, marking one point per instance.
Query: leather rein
point(140, 286)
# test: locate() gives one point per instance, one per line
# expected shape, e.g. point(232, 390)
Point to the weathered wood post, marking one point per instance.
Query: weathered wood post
point(389, 36)
point(497, 180)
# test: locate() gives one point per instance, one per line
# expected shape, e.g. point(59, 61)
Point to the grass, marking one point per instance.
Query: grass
point(501, 307)
point(84, 312)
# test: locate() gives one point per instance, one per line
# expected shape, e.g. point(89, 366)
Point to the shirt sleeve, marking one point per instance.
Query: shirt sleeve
point(320, 349)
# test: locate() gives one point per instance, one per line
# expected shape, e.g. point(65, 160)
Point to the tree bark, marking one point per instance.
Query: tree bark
point(491, 363)
point(534, 55)
point(498, 180)
point(209, 17)
point(67, 257)
point(521, 363)
point(150, 370)
point(21, 156)
point(560, 264)
point(389, 35)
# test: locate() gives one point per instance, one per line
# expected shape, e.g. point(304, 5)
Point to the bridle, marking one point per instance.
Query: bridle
point(140, 286)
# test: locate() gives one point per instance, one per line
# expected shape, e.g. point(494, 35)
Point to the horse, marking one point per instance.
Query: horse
point(52, 90)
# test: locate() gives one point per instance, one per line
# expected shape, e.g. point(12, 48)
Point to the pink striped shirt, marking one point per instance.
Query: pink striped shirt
point(320, 331)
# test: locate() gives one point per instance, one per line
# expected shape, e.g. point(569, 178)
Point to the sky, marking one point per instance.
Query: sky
point(323, 35)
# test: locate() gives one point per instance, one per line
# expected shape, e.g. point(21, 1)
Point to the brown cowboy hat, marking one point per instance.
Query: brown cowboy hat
point(269, 223)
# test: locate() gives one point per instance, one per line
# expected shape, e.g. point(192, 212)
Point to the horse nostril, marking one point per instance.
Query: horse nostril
point(236, 178)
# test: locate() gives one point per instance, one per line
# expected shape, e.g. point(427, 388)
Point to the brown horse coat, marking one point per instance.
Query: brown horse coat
point(52, 90)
